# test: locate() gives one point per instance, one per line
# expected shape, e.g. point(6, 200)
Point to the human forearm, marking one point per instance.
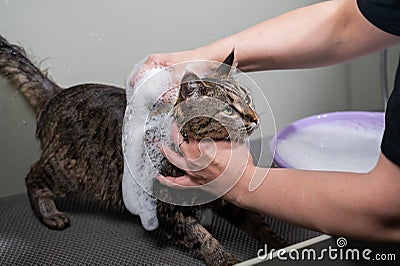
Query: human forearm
point(301, 197)
point(347, 204)
point(363, 206)
point(318, 35)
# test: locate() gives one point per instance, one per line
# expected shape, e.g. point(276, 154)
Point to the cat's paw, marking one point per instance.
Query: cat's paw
point(228, 261)
point(220, 258)
point(57, 221)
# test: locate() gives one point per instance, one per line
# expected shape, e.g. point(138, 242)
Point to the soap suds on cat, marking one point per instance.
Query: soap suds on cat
point(150, 87)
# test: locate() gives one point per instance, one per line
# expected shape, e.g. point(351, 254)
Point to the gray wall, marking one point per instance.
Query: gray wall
point(99, 41)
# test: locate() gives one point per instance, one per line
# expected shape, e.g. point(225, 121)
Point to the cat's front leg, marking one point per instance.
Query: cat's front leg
point(194, 236)
point(253, 223)
point(186, 230)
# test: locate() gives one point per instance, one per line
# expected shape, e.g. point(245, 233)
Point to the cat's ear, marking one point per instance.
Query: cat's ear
point(190, 84)
point(225, 68)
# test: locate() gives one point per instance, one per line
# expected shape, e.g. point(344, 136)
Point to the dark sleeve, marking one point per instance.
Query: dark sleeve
point(384, 14)
point(390, 146)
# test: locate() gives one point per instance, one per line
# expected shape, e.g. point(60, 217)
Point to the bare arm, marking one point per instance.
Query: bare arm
point(357, 205)
point(363, 206)
point(317, 35)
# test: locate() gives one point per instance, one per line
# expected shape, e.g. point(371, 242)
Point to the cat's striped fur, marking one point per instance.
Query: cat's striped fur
point(79, 129)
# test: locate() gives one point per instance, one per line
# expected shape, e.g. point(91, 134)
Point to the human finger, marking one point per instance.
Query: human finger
point(181, 159)
point(173, 157)
point(177, 182)
point(175, 135)
point(155, 60)
point(150, 62)
point(189, 148)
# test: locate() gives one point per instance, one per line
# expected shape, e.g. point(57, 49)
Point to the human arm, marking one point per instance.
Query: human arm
point(322, 34)
point(355, 205)
point(363, 206)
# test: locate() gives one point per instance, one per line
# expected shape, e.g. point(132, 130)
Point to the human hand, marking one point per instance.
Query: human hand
point(163, 60)
point(213, 166)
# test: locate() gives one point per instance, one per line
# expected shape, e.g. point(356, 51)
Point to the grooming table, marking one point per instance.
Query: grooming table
point(99, 236)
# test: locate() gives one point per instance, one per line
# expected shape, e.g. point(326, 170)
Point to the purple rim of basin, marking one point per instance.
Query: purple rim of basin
point(375, 118)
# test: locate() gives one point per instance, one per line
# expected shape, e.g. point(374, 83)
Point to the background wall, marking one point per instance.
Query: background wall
point(99, 41)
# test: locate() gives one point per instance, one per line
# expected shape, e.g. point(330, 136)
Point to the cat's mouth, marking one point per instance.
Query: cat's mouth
point(251, 127)
point(248, 129)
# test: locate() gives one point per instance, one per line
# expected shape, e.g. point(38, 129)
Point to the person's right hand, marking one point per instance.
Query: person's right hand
point(214, 166)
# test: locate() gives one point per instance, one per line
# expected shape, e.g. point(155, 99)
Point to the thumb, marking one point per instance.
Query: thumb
point(181, 182)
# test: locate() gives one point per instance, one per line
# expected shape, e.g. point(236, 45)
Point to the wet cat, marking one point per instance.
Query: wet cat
point(79, 129)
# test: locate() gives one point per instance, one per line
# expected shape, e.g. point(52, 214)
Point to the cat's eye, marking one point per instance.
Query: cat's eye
point(228, 110)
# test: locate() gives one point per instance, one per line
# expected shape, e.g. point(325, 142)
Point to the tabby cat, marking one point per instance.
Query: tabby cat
point(79, 129)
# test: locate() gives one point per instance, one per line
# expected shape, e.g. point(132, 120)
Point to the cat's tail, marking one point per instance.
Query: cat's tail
point(30, 80)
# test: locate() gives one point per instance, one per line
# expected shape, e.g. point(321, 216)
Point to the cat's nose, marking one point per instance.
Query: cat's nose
point(253, 117)
point(253, 122)
point(256, 121)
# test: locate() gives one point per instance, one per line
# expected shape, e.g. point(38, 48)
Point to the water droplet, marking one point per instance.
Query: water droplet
point(91, 34)
point(45, 45)
point(99, 39)
point(68, 70)
point(24, 123)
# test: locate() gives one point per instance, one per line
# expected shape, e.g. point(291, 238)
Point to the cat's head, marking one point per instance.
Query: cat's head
point(216, 106)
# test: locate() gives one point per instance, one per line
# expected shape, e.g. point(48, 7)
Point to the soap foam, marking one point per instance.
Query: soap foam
point(143, 89)
point(337, 146)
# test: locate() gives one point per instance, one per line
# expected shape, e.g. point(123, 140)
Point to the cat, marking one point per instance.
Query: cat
point(79, 129)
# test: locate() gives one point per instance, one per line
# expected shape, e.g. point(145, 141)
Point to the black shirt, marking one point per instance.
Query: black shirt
point(385, 14)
